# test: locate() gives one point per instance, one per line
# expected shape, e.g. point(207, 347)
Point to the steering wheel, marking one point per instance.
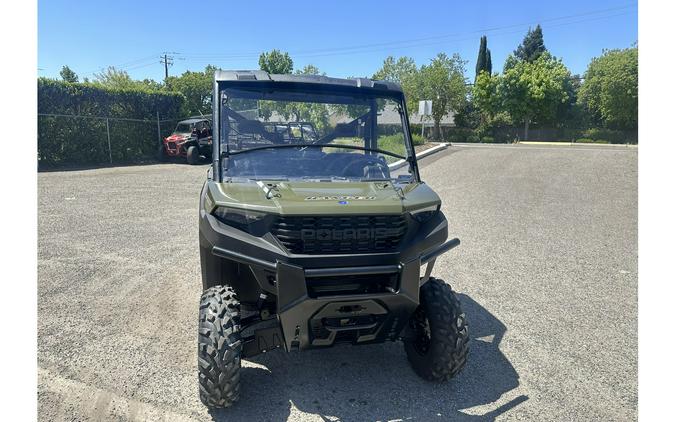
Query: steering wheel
point(363, 162)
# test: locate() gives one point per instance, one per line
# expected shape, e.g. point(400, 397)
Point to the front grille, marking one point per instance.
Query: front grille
point(340, 234)
point(351, 285)
point(171, 145)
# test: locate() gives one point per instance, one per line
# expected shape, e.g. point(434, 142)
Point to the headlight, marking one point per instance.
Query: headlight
point(424, 214)
point(240, 219)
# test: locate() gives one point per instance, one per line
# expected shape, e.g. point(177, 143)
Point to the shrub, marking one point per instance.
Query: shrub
point(69, 140)
point(487, 140)
point(394, 143)
point(498, 128)
point(609, 135)
point(591, 141)
point(418, 140)
point(472, 138)
point(456, 134)
point(389, 143)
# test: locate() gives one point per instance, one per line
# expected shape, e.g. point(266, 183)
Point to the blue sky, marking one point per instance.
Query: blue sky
point(345, 38)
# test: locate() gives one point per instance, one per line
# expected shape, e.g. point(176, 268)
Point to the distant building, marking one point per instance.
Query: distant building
point(390, 113)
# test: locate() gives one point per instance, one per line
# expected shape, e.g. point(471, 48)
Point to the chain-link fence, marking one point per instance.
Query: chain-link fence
point(89, 140)
point(65, 139)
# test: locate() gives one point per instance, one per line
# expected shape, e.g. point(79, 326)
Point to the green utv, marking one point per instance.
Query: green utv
point(325, 238)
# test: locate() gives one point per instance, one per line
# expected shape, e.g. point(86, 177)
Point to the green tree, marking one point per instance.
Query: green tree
point(488, 64)
point(484, 94)
point(197, 87)
point(487, 102)
point(443, 82)
point(276, 62)
point(402, 71)
point(534, 91)
point(315, 113)
point(114, 78)
point(570, 113)
point(484, 60)
point(610, 88)
point(398, 70)
point(151, 84)
point(68, 75)
point(468, 116)
point(309, 69)
point(532, 46)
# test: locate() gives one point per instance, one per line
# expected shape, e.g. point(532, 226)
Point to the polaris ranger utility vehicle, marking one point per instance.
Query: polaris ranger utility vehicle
point(325, 239)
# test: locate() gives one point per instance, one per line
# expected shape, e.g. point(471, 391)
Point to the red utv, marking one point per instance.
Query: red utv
point(293, 131)
point(192, 139)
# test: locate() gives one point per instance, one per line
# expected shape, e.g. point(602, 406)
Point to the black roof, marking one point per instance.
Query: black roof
point(193, 120)
point(262, 76)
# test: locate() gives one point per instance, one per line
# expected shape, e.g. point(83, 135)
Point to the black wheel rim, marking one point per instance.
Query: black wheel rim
point(420, 325)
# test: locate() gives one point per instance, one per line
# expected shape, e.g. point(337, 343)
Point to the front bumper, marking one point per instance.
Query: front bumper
point(309, 317)
point(174, 149)
point(309, 322)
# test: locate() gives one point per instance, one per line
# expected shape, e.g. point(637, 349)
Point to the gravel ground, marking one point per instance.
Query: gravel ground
point(547, 274)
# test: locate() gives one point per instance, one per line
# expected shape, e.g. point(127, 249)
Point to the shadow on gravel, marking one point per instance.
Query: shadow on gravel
point(376, 383)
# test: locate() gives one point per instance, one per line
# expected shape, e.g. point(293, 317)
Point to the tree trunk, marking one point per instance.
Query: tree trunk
point(437, 129)
point(527, 129)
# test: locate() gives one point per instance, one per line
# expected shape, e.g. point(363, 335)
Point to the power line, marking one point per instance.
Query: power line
point(154, 62)
point(167, 58)
point(125, 65)
point(137, 63)
point(133, 62)
point(389, 49)
point(419, 42)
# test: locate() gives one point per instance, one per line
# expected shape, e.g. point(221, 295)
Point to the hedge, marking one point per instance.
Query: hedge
point(610, 136)
point(64, 140)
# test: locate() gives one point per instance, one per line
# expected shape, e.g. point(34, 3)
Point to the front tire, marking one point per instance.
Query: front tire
point(439, 347)
point(219, 347)
point(193, 155)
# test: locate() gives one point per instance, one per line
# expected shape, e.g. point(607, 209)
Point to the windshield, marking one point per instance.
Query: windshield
point(183, 128)
point(301, 135)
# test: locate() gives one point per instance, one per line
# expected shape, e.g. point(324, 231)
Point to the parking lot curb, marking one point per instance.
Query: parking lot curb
point(576, 144)
point(427, 152)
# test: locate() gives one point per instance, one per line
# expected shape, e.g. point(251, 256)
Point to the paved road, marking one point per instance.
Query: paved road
point(547, 273)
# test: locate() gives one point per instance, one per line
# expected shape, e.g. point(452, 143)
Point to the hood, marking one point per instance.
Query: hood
point(322, 198)
point(178, 137)
point(312, 198)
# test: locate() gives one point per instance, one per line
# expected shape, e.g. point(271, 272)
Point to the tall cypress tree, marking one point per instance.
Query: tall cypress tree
point(488, 62)
point(532, 46)
point(483, 62)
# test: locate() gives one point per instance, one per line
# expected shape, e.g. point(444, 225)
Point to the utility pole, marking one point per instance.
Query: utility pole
point(167, 61)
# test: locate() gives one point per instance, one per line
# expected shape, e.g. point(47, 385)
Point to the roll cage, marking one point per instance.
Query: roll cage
point(304, 84)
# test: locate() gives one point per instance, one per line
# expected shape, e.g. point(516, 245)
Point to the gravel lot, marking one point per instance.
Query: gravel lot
point(547, 274)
